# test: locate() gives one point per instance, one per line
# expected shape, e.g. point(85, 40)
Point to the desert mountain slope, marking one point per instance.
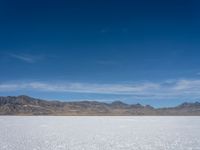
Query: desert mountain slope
point(25, 105)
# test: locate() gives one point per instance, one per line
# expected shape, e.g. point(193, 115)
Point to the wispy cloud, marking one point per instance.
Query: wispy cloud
point(104, 30)
point(26, 57)
point(144, 90)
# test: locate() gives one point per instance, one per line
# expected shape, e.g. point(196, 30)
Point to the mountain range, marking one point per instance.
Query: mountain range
point(25, 105)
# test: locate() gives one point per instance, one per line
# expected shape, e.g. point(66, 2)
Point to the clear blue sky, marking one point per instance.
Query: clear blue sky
point(135, 51)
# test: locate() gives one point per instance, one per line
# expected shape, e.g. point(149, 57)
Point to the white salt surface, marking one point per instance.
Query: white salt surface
point(99, 133)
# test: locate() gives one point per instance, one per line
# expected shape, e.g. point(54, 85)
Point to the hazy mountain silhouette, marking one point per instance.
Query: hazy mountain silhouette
point(25, 105)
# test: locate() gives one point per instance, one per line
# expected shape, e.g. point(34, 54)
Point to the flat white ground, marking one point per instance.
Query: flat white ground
point(99, 133)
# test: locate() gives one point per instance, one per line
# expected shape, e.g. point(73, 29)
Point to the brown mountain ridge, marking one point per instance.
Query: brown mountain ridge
point(25, 105)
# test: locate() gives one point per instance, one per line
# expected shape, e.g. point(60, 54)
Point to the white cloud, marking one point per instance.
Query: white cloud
point(148, 90)
point(25, 57)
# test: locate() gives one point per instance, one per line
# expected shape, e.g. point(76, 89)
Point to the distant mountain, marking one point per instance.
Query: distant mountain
point(24, 105)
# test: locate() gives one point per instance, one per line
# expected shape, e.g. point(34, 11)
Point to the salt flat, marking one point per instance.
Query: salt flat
point(99, 133)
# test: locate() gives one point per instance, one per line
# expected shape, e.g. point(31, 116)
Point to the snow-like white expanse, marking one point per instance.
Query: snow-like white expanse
point(99, 133)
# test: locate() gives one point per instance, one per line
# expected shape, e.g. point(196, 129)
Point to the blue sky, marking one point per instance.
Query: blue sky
point(133, 51)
